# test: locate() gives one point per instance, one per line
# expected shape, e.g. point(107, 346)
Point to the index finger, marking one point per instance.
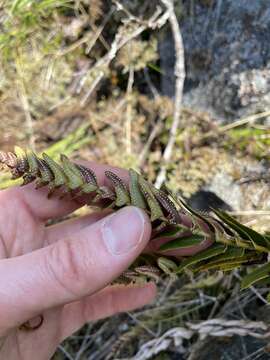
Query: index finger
point(43, 208)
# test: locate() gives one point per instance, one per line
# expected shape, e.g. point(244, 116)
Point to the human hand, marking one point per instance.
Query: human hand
point(63, 271)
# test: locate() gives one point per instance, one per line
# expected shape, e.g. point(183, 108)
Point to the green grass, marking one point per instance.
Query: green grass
point(24, 19)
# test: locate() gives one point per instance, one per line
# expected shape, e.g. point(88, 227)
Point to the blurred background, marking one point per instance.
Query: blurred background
point(179, 91)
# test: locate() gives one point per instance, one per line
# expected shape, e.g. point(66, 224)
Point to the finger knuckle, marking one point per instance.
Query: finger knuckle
point(67, 267)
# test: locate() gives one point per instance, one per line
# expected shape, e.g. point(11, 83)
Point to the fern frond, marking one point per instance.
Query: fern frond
point(234, 244)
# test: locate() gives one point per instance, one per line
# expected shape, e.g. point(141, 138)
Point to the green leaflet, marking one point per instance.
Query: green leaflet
point(22, 159)
point(183, 242)
point(89, 179)
point(20, 153)
point(32, 163)
point(177, 230)
point(168, 266)
point(148, 271)
point(222, 236)
point(167, 204)
point(259, 241)
point(121, 190)
point(103, 192)
point(59, 175)
point(45, 173)
point(231, 267)
point(259, 274)
point(230, 254)
point(196, 214)
point(136, 196)
point(214, 250)
point(226, 235)
point(208, 281)
point(74, 177)
point(223, 264)
point(155, 209)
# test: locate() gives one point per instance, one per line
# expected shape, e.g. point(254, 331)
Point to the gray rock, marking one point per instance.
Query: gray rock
point(227, 54)
point(227, 189)
point(251, 191)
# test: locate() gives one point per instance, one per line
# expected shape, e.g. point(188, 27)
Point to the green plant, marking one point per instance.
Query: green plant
point(22, 18)
point(233, 243)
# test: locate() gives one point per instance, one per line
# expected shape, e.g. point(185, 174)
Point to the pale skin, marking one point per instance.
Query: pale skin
point(63, 271)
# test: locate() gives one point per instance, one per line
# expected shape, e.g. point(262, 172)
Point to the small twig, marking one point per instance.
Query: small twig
point(216, 21)
point(214, 327)
point(165, 291)
point(100, 354)
point(156, 129)
point(65, 352)
point(99, 31)
point(48, 74)
point(215, 307)
point(253, 289)
point(249, 119)
point(150, 84)
point(236, 123)
point(25, 103)
point(92, 87)
point(179, 84)
point(141, 324)
point(156, 21)
point(86, 37)
point(129, 108)
point(120, 7)
point(250, 213)
point(85, 343)
point(158, 125)
point(255, 354)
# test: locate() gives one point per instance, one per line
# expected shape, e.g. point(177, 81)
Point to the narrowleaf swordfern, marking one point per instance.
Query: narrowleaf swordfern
point(233, 243)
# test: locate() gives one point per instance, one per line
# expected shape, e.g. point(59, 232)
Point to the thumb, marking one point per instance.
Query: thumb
point(71, 268)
